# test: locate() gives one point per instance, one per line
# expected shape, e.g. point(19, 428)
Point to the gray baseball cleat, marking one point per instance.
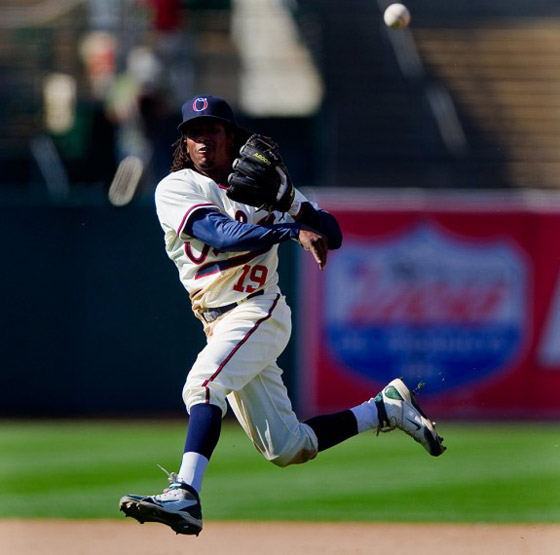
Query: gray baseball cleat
point(178, 507)
point(397, 408)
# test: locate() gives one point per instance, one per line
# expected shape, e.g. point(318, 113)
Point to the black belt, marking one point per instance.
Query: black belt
point(212, 314)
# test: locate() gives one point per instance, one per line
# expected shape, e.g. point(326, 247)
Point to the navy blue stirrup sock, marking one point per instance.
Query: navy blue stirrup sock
point(332, 429)
point(205, 424)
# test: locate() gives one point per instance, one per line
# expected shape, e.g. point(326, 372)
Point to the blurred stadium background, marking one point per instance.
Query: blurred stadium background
point(450, 127)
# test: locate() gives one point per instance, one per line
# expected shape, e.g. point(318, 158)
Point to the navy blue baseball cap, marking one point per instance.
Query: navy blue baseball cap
point(207, 106)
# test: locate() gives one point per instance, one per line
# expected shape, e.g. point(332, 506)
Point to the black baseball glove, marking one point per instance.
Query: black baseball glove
point(259, 177)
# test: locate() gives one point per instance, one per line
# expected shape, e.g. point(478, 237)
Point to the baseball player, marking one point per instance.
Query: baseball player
point(224, 208)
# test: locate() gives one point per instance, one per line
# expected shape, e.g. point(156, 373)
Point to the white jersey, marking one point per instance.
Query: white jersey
point(211, 277)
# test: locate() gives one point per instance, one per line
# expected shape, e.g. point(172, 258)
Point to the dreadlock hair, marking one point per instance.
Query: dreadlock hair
point(181, 158)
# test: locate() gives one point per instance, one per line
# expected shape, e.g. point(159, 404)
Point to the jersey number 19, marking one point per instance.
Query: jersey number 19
point(254, 275)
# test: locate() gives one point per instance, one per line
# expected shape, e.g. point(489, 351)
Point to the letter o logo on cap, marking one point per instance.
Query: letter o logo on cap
point(197, 107)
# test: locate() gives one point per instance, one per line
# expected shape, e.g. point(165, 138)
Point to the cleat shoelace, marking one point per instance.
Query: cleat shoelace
point(172, 478)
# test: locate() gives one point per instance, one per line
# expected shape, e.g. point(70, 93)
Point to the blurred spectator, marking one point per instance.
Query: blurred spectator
point(173, 44)
point(59, 98)
point(98, 52)
point(140, 78)
point(139, 107)
point(167, 14)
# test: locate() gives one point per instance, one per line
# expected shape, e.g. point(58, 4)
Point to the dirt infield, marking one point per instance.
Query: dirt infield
point(63, 537)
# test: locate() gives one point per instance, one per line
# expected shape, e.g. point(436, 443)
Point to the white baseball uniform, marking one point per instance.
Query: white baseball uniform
point(243, 344)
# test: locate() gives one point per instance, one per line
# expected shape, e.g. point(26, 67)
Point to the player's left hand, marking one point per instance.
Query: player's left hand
point(316, 243)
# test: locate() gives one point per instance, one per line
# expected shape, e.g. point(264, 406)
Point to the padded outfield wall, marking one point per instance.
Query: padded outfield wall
point(457, 292)
point(94, 319)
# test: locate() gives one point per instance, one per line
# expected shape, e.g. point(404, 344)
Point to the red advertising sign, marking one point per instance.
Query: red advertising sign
point(459, 294)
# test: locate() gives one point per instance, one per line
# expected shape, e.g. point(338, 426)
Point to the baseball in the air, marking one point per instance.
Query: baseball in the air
point(396, 16)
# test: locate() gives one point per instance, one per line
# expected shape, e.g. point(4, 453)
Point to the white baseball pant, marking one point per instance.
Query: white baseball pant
point(239, 363)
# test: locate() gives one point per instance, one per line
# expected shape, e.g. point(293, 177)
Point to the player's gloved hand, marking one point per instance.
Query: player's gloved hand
point(259, 177)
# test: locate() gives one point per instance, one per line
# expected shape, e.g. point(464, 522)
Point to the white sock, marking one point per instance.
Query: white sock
point(366, 416)
point(192, 469)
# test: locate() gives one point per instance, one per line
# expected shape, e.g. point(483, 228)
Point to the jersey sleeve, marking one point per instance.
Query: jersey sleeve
point(223, 233)
point(323, 222)
point(177, 199)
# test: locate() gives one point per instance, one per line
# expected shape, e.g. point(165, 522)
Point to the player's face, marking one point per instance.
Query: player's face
point(209, 144)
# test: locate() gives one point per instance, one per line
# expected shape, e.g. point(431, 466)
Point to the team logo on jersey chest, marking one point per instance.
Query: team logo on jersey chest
point(427, 306)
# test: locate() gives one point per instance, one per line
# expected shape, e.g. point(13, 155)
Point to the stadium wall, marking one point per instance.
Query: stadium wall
point(95, 321)
point(459, 292)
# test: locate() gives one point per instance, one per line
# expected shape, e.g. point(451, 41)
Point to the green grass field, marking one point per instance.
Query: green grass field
point(490, 473)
